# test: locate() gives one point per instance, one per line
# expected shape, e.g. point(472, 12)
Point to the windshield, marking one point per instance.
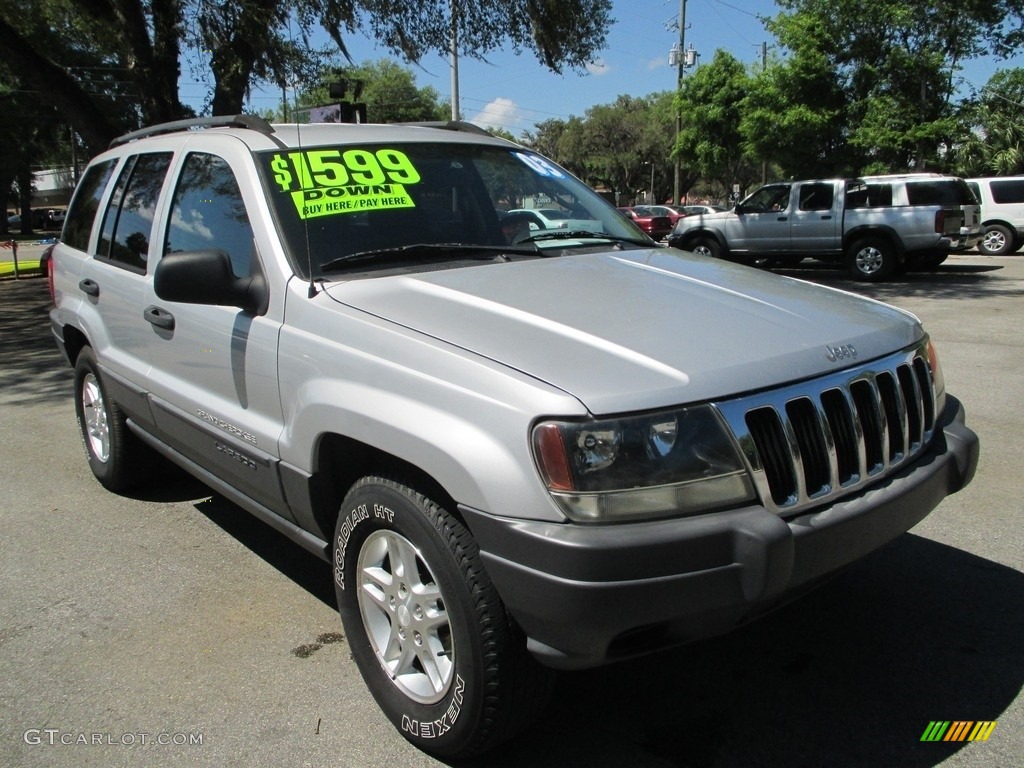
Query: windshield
point(348, 200)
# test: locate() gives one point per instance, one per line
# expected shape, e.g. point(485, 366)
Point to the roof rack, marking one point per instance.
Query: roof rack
point(451, 125)
point(253, 122)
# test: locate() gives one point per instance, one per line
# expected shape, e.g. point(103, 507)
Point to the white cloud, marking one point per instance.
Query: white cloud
point(658, 63)
point(598, 67)
point(500, 113)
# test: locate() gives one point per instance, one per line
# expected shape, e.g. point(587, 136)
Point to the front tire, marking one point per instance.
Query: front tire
point(425, 624)
point(706, 246)
point(117, 458)
point(871, 259)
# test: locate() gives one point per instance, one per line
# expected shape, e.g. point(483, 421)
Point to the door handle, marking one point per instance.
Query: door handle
point(90, 287)
point(161, 318)
point(783, 218)
point(826, 218)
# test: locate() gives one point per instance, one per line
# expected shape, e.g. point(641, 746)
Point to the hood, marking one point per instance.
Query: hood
point(630, 330)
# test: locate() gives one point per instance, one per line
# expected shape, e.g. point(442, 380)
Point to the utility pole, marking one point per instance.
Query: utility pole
point(455, 61)
point(764, 68)
point(677, 173)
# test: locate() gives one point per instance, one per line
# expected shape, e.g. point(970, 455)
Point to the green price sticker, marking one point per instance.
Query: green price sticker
point(326, 182)
point(315, 168)
point(356, 198)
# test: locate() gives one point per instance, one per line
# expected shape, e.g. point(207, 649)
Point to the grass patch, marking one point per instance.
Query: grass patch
point(25, 267)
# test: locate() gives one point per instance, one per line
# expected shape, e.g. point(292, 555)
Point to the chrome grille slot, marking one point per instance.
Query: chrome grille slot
point(812, 442)
point(844, 435)
point(766, 430)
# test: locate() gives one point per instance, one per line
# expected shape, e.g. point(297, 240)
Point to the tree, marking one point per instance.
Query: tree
point(994, 134)
point(388, 89)
point(894, 61)
point(248, 41)
point(710, 141)
point(793, 116)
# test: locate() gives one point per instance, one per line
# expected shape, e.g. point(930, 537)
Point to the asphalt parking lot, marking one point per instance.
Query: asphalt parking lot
point(170, 628)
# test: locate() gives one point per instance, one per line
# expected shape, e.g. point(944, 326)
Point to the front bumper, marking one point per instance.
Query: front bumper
point(587, 595)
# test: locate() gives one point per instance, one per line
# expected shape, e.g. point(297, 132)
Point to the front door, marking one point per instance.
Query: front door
point(213, 380)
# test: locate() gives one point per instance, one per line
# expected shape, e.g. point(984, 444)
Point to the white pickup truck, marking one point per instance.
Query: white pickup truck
point(876, 226)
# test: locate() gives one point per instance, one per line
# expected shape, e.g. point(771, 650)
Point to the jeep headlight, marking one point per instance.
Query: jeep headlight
point(678, 462)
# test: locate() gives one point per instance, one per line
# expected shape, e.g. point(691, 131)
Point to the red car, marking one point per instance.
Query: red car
point(655, 226)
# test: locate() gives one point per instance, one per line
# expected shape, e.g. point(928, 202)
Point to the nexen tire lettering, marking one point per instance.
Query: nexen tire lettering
point(431, 729)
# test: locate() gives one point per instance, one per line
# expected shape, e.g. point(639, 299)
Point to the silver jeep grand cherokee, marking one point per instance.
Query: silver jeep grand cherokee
point(520, 449)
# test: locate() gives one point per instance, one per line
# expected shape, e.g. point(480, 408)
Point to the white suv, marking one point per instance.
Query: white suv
point(1002, 213)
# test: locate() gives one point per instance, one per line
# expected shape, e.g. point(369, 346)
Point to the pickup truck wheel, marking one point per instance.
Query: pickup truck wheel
point(116, 457)
point(997, 241)
point(425, 625)
point(706, 246)
point(871, 259)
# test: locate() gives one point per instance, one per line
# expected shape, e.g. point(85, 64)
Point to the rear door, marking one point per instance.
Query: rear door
point(114, 279)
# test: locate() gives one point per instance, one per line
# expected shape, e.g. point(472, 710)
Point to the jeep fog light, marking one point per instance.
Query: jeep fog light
point(680, 462)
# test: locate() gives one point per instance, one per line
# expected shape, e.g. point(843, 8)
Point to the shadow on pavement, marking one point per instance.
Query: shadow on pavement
point(948, 281)
point(849, 675)
point(33, 369)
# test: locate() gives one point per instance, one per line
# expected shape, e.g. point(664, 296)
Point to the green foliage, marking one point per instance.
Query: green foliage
point(388, 89)
point(893, 65)
point(994, 128)
point(615, 145)
point(710, 140)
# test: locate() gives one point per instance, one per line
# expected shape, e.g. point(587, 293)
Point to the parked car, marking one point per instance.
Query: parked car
point(696, 210)
point(660, 210)
point(512, 458)
point(555, 218)
point(48, 218)
point(875, 226)
point(656, 227)
point(1002, 213)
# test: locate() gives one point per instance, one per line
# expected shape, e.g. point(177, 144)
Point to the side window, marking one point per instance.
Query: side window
point(128, 221)
point(1007, 191)
point(816, 197)
point(208, 212)
point(82, 212)
point(880, 195)
point(772, 198)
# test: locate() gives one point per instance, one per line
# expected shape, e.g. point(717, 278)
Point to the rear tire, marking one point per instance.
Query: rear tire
point(118, 459)
point(997, 241)
point(871, 259)
point(426, 627)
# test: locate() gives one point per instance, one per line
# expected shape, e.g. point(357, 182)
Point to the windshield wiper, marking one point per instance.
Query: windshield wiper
point(434, 250)
point(579, 234)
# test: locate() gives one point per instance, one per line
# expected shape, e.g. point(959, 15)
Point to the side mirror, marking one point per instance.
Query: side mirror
point(205, 277)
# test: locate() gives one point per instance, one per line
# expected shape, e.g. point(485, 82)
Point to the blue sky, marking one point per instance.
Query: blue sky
point(515, 92)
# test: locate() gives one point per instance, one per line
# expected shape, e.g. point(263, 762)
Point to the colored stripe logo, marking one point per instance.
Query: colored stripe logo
point(958, 730)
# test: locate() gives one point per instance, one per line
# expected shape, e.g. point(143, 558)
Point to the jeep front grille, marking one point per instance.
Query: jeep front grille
point(810, 443)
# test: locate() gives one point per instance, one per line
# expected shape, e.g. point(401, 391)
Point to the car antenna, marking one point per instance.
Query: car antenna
point(312, 292)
